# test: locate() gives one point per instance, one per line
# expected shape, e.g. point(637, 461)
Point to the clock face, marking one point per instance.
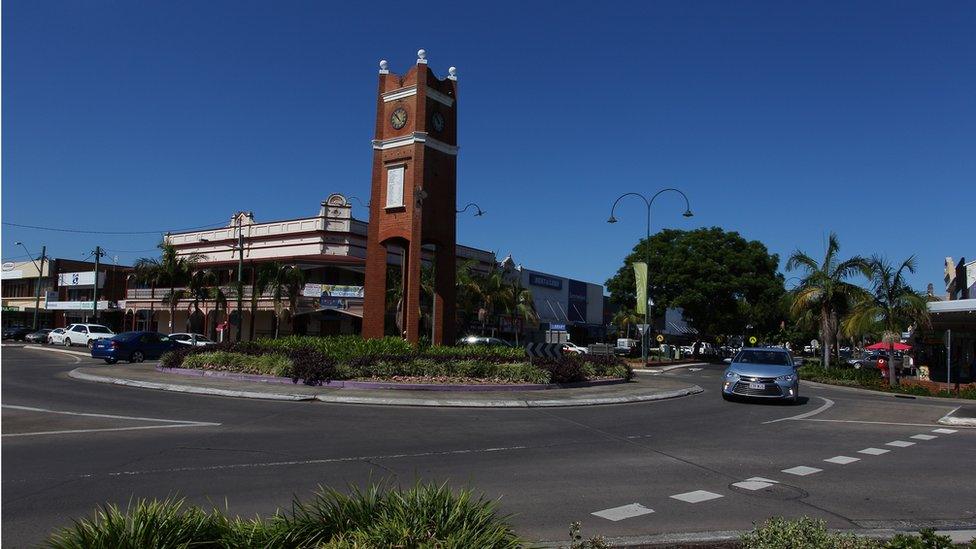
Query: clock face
point(399, 118)
point(437, 120)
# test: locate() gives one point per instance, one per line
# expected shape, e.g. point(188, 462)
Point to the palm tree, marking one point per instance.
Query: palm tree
point(625, 318)
point(172, 270)
point(825, 290)
point(522, 307)
point(491, 294)
point(284, 282)
point(891, 305)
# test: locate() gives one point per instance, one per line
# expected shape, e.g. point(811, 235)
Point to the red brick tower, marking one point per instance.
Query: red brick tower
point(413, 196)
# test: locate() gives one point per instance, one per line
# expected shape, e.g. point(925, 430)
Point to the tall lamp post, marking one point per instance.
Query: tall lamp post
point(647, 249)
point(40, 274)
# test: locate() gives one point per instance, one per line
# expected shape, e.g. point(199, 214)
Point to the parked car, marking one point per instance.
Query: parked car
point(56, 337)
point(625, 346)
point(761, 373)
point(16, 333)
point(876, 360)
point(187, 339)
point(39, 336)
point(572, 348)
point(132, 346)
point(85, 334)
point(483, 340)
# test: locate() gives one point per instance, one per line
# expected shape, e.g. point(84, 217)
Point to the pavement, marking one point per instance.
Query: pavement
point(688, 468)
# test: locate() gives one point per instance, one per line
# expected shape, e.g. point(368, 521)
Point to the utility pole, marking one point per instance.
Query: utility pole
point(98, 253)
point(37, 286)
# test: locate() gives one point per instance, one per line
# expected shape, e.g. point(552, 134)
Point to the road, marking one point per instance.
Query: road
point(687, 459)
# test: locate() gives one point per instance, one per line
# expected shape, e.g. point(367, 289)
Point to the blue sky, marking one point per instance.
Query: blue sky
point(782, 121)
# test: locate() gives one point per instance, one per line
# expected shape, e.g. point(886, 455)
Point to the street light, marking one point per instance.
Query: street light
point(40, 274)
point(647, 249)
point(478, 213)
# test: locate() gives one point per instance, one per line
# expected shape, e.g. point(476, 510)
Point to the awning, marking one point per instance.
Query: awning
point(881, 346)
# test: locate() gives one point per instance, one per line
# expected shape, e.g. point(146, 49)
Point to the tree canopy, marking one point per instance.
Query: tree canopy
point(721, 280)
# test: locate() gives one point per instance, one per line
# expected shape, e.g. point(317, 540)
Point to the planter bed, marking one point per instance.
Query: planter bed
point(468, 385)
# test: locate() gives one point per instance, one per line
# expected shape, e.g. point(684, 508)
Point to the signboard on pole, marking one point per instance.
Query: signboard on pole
point(642, 328)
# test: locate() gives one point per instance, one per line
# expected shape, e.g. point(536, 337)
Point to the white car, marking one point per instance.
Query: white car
point(56, 337)
point(575, 349)
point(85, 334)
point(187, 339)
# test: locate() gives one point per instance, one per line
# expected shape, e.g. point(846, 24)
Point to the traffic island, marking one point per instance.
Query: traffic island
point(149, 377)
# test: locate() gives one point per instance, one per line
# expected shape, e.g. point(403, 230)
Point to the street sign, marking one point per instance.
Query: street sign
point(814, 343)
point(660, 338)
point(752, 340)
point(544, 350)
point(642, 328)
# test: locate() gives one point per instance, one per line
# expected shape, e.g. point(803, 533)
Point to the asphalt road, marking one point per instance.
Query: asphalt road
point(548, 467)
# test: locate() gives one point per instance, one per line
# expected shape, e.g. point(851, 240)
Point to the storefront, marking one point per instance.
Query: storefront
point(948, 348)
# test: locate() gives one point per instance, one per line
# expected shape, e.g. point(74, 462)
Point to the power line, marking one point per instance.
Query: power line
point(130, 251)
point(62, 230)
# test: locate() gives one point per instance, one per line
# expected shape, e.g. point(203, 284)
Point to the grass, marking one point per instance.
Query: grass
point(424, 516)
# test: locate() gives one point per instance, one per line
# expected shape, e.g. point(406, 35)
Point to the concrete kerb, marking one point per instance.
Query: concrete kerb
point(50, 350)
point(76, 374)
point(945, 400)
point(664, 369)
point(950, 419)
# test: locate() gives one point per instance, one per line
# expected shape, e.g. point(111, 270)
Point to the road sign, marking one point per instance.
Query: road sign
point(544, 350)
point(752, 340)
point(642, 328)
point(814, 343)
point(660, 338)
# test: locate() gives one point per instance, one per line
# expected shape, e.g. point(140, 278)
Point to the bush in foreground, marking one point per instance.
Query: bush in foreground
point(422, 516)
point(808, 533)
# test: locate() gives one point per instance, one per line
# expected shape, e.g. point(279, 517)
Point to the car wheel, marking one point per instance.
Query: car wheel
point(111, 360)
point(857, 365)
point(91, 343)
point(136, 356)
point(726, 397)
point(67, 342)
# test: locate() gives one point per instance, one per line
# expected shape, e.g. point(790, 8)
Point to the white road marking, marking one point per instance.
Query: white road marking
point(944, 431)
point(802, 470)
point(871, 422)
point(624, 512)
point(171, 423)
point(842, 460)
point(900, 443)
point(873, 451)
point(697, 496)
point(761, 479)
point(827, 404)
point(923, 437)
point(752, 484)
point(695, 369)
point(647, 371)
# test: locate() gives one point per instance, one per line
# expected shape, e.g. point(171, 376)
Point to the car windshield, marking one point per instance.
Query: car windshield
point(753, 356)
point(95, 329)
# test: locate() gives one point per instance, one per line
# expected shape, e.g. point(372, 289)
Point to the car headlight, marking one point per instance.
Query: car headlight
point(731, 375)
point(788, 378)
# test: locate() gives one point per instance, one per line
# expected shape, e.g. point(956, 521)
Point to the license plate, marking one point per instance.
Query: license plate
point(757, 385)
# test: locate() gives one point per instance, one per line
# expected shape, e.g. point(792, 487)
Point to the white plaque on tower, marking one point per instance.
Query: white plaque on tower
point(394, 187)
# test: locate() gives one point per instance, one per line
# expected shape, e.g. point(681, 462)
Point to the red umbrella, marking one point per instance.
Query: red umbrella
point(882, 346)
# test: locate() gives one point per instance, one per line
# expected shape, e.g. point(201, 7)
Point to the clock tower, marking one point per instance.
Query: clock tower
point(413, 199)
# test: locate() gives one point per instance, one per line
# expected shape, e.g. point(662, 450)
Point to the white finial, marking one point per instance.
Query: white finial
point(421, 57)
point(384, 67)
point(452, 73)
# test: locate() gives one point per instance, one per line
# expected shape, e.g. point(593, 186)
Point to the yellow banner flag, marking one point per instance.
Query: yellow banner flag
point(640, 277)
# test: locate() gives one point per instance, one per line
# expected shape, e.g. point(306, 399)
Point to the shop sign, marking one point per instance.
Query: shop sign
point(84, 278)
point(9, 274)
point(328, 302)
point(331, 290)
point(77, 305)
point(545, 281)
point(8, 266)
point(10, 308)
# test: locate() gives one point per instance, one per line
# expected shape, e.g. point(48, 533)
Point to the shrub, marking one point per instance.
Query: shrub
point(576, 534)
point(927, 539)
point(166, 523)
point(803, 533)
point(562, 370)
point(270, 364)
point(311, 366)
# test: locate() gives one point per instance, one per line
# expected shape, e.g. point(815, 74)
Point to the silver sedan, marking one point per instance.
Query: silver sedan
point(768, 373)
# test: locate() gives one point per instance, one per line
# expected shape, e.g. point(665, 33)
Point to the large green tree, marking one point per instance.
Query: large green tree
point(722, 281)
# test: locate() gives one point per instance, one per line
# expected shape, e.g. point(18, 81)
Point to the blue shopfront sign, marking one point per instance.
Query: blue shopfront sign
point(545, 281)
point(557, 327)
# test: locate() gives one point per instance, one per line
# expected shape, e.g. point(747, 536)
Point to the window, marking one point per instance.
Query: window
point(776, 358)
point(394, 186)
point(80, 329)
point(100, 330)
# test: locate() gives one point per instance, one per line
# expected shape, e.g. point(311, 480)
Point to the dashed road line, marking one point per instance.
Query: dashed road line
point(873, 451)
point(842, 460)
point(762, 479)
point(944, 431)
point(624, 512)
point(802, 470)
point(900, 443)
point(697, 496)
point(923, 437)
point(752, 485)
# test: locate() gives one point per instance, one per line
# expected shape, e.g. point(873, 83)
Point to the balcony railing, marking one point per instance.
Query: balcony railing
point(160, 293)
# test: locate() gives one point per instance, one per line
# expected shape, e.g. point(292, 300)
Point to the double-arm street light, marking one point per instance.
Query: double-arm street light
point(478, 213)
point(40, 275)
point(647, 250)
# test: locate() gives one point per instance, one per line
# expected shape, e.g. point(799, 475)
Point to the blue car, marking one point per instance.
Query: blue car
point(132, 346)
point(768, 373)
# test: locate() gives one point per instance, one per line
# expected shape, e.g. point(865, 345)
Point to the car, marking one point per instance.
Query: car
point(626, 346)
point(877, 360)
point(767, 373)
point(574, 349)
point(85, 334)
point(187, 339)
point(132, 346)
point(484, 340)
point(16, 333)
point(39, 336)
point(56, 337)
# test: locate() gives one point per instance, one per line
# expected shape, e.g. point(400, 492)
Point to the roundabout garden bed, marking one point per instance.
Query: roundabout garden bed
point(354, 362)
